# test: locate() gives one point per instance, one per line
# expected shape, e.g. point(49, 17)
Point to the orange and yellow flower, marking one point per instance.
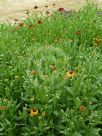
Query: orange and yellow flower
point(69, 74)
point(33, 112)
point(97, 41)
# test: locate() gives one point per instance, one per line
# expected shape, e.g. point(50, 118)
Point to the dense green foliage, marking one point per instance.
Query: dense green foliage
point(38, 94)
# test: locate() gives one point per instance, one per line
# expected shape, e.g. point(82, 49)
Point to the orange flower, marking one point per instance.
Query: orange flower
point(27, 12)
point(97, 41)
point(82, 108)
point(39, 21)
point(53, 4)
point(46, 6)
point(69, 74)
point(33, 112)
point(35, 7)
point(61, 9)
point(78, 33)
point(47, 12)
point(16, 19)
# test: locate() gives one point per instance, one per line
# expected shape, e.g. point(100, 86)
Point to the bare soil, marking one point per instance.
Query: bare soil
point(17, 9)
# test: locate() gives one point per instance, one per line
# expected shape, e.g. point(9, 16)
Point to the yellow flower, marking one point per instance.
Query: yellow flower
point(69, 74)
point(33, 112)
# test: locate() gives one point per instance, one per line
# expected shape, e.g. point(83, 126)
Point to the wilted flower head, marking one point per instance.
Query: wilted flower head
point(27, 12)
point(16, 19)
point(31, 26)
point(21, 24)
point(78, 33)
point(34, 72)
point(53, 67)
point(36, 7)
point(39, 22)
point(47, 12)
point(53, 4)
point(46, 6)
point(82, 108)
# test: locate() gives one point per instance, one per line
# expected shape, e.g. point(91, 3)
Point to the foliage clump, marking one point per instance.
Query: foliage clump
point(51, 75)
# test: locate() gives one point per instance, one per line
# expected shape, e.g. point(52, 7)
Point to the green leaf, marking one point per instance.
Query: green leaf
point(77, 134)
point(94, 132)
